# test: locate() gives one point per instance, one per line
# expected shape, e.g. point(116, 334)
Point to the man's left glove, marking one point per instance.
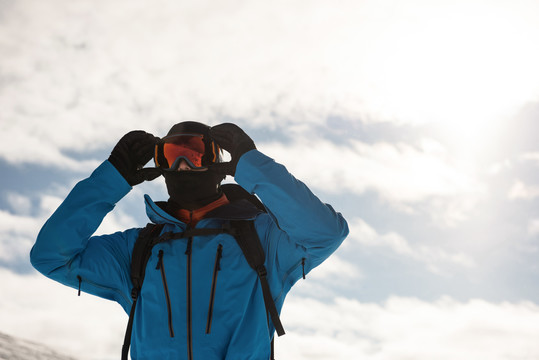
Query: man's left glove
point(131, 153)
point(233, 139)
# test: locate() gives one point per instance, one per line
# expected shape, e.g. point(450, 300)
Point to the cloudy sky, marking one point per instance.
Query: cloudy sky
point(418, 120)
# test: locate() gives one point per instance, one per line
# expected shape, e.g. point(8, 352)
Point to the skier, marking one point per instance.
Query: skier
point(200, 299)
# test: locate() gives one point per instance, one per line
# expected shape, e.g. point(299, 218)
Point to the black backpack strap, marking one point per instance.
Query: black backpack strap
point(189, 233)
point(247, 238)
point(128, 331)
point(142, 251)
point(139, 258)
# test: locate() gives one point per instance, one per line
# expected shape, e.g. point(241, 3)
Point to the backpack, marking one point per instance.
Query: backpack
point(244, 233)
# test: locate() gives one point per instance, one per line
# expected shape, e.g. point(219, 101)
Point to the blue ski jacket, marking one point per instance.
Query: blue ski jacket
point(297, 233)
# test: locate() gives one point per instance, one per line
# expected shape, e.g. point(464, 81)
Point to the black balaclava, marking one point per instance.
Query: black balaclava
point(192, 190)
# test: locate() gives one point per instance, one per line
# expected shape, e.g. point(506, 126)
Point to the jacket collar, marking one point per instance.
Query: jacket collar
point(237, 210)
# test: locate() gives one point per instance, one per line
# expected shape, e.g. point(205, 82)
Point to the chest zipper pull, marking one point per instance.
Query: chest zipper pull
point(303, 267)
point(216, 269)
point(188, 252)
point(80, 283)
point(161, 266)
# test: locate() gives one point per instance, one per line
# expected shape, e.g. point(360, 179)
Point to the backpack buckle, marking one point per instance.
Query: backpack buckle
point(134, 293)
point(229, 229)
point(261, 271)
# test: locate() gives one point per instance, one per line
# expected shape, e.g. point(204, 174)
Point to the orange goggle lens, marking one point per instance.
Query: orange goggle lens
point(189, 147)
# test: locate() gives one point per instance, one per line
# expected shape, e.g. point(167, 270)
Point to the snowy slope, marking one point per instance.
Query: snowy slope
point(16, 349)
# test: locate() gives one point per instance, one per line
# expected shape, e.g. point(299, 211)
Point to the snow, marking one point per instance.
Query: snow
point(17, 349)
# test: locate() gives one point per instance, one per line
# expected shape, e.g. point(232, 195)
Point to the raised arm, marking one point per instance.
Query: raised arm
point(65, 250)
point(304, 227)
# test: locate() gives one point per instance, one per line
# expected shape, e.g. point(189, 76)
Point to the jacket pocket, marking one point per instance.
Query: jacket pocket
point(216, 268)
point(161, 266)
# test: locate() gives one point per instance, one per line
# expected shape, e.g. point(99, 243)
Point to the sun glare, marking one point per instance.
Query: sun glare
point(463, 70)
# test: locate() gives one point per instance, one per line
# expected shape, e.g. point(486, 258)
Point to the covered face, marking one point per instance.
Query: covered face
point(188, 146)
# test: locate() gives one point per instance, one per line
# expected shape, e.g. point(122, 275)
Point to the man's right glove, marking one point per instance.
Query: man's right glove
point(233, 139)
point(131, 153)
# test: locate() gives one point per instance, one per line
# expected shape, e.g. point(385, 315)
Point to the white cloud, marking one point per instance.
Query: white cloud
point(366, 235)
point(17, 235)
point(407, 328)
point(336, 269)
point(19, 204)
point(18, 223)
point(88, 78)
point(519, 190)
point(400, 173)
point(49, 203)
point(330, 278)
point(40, 152)
point(530, 156)
point(117, 221)
point(435, 258)
point(533, 227)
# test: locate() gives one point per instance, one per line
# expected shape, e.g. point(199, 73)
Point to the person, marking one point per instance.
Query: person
point(296, 230)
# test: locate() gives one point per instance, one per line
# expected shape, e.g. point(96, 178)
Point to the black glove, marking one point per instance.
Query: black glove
point(234, 140)
point(131, 153)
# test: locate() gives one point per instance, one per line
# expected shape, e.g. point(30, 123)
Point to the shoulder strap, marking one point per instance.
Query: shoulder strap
point(235, 192)
point(249, 242)
point(141, 253)
point(139, 258)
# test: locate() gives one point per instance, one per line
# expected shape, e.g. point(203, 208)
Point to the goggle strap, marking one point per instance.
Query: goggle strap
point(214, 150)
point(156, 156)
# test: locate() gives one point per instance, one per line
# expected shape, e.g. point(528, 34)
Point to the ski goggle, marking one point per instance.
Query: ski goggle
point(171, 150)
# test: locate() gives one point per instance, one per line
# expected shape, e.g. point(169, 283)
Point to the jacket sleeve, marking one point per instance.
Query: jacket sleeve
point(303, 227)
point(65, 250)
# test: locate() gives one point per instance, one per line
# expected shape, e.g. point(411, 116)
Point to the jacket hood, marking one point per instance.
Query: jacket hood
point(156, 214)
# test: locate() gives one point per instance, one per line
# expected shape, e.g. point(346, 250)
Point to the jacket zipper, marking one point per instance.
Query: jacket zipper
point(80, 283)
point(98, 286)
point(161, 266)
point(188, 252)
point(216, 269)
